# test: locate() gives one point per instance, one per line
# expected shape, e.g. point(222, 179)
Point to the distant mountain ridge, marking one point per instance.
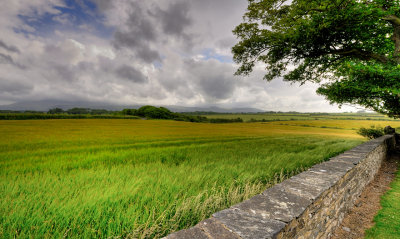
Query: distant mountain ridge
point(45, 105)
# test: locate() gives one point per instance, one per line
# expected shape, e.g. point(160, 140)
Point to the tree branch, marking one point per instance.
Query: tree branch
point(392, 19)
point(359, 54)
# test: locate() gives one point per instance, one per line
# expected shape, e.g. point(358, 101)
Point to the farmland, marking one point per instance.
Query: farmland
point(146, 178)
point(277, 116)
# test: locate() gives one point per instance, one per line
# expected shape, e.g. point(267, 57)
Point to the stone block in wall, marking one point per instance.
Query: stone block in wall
point(249, 226)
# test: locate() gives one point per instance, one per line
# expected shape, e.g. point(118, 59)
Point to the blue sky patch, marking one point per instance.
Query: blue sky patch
point(211, 54)
point(77, 15)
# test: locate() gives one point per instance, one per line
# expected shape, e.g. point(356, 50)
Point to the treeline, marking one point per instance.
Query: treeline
point(81, 111)
point(58, 113)
point(19, 112)
point(145, 112)
point(242, 113)
point(153, 112)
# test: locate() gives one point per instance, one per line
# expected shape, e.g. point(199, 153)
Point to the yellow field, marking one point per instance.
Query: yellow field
point(89, 129)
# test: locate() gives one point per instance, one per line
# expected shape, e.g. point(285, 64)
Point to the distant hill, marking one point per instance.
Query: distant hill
point(45, 105)
point(213, 109)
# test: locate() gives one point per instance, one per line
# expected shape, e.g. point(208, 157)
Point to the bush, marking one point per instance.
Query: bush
point(218, 121)
point(152, 112)
point(55, 111)
point(78, 111)
point(371, 133)
point(129, 111)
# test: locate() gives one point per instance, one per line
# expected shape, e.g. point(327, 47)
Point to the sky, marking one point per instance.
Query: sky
point(158, 52)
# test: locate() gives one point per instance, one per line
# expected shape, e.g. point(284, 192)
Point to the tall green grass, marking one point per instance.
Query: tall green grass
point(387, 221)
point(123, 178)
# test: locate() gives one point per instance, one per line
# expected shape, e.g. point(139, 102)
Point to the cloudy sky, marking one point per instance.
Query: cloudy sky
point(169, 52)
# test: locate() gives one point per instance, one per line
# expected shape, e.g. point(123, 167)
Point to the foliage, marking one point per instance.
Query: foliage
point(389, 130)
point(142, 178)
point(78, 111)
point(10, 111)
point(350, 47)
point(100, 112)
point(387, 221)
point(128, 111)
point(372, 133)
point(154, 112)
point(235, 120)
point(55, 111)
point(191, 118)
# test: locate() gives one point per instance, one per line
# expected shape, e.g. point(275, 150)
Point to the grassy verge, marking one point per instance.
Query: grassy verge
point(142, 179)
point(387, 221)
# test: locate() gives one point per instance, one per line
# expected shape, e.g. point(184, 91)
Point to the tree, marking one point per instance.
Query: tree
point(55, 111)
point(128, 111)
point(350, 47)
point(78, 111)
point(99, 112)
point(154, 112)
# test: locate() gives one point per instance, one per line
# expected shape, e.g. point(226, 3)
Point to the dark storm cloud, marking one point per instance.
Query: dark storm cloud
point(130, 73)
point(148, 27)
point(211, 79)
point(7, 59)
point(12, 87)
point(103, 5)
point(138, 33)
point(137, 43)
point(214, 79)
point(8, 47)
point(65, 72)
point(218, 86)
point(175, 18)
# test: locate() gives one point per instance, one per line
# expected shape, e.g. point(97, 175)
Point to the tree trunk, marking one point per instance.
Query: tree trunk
point(396, 39)
point(396, 35)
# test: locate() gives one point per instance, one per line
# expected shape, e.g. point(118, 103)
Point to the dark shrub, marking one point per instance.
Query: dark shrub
point(55, 111)
point(389, 130)
point(129, 111)
point(371, 133)
point(149, 111)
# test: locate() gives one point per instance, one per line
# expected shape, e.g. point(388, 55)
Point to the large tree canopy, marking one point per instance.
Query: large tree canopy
point(350, 47)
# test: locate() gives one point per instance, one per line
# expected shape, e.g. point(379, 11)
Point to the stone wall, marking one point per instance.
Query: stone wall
point(309, 205)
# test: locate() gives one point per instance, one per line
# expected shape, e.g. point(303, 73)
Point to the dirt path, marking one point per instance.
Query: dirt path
point(361, 215)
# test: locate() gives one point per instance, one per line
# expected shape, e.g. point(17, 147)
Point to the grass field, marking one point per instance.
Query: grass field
point(387, 221)
point(102, 178)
